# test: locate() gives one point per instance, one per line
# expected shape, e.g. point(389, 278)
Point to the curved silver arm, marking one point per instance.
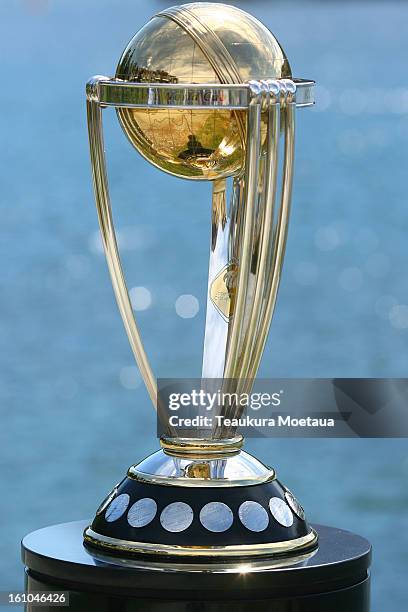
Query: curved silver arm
point(249, 241)
point(262, 243)
point(281, 230)
point(100, 181)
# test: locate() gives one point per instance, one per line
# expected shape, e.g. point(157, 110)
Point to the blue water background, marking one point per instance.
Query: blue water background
point(74, 414)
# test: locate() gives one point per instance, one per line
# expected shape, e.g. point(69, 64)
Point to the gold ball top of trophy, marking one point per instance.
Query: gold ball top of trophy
point(197, 43)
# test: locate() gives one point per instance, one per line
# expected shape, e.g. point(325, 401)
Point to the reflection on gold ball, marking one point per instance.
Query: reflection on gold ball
point(197, 43)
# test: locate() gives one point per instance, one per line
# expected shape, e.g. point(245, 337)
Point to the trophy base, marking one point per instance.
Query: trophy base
point(334, 578)
point(195, 508)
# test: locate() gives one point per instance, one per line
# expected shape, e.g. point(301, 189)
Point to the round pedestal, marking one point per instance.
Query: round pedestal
point(334, 578)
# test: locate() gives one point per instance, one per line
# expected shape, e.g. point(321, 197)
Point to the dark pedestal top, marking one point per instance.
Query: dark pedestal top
point(57, 553)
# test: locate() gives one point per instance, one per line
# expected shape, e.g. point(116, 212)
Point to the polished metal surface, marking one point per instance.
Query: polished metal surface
point(228, 565)
point(216, 517)
point(176, 517)
point(240, 306)
point(201, 446)
point(105, 503)
point(190, 44)
point(187, 96)
point(261, 244)
point(221, 282)
point(204, 91)
point(240, 470)
point(235, 238)
point(253, 516)
point(281, 512)
point(117, 508)
point(244, 248)
point(294, 505)
point(101, 188)
point(234, 551)
point(274, 270)
point(142, 512)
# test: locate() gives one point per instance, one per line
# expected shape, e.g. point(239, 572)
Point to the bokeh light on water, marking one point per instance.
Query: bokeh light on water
point(140, 297)
point(187, 306)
